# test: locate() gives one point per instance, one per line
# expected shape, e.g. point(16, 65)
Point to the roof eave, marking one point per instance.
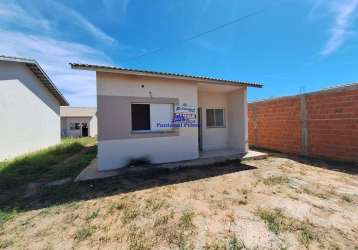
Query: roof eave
point(109, 69)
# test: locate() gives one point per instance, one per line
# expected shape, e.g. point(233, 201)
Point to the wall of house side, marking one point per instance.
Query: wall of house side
point(116, 144)
point(321, 124)
point(30, 114)
point(237, 117)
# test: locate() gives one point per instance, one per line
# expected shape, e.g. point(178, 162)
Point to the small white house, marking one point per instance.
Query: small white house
point(29, 108)
point(166, 117)
point(78, 121)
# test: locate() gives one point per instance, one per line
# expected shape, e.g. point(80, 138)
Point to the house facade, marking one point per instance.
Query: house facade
point(78, 121)
point(29, 108)
point(135, 107)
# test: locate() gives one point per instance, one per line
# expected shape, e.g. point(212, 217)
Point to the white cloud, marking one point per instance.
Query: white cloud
point(22, 14)
point(82, 21)
point(79, 87)
point(12, 13)
point(344, 14)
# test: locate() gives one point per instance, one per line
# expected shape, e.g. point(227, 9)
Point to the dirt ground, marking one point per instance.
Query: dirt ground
point(276, 203)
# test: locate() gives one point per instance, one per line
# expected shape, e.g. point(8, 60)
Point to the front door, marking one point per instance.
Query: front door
point(84, 130)
point(200, 134)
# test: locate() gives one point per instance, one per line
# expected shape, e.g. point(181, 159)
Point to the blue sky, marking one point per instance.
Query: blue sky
point(290, 47)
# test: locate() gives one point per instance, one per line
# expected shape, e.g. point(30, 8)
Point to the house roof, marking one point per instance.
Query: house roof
point(69, 111)
point(155, 73)
point(40, 74)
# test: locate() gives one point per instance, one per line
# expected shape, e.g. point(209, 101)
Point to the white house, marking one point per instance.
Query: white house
point(78, 121)
point(166, 117)
point(29, 108)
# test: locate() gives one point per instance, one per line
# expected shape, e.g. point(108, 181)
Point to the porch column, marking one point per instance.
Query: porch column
point(238, 123)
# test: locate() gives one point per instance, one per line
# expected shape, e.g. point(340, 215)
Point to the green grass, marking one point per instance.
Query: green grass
point(272, 219)
point(44, 165)
point(84, 233)
point(6, 215)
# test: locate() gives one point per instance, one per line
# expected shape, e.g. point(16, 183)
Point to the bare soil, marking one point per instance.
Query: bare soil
point(276, 203)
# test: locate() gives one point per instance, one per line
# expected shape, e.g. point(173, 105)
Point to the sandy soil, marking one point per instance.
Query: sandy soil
point(276, 203)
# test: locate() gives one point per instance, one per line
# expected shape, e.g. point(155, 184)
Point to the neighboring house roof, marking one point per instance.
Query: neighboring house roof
point(40, 74)
point(163, 74)
point(77, 111)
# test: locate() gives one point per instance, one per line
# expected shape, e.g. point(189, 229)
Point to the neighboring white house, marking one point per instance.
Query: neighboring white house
point(166, 117)
point(29, 108)
point(78, 121)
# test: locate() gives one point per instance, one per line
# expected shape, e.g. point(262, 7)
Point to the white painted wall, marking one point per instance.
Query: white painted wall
point(238, 120)
point(93, 126)
point(214, 138)
point(78, 132)
point(29, 113)
point(115, 153)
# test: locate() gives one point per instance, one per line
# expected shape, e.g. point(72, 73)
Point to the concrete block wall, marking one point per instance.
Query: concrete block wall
point(320, 124)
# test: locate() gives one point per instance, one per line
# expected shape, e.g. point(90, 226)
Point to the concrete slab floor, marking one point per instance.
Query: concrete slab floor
point(206, 158)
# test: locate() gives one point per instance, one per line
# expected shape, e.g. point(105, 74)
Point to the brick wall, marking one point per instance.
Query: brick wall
point(319, 124)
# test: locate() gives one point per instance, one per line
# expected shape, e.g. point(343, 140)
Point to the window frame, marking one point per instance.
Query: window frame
point(152, 131)
point(215, 122)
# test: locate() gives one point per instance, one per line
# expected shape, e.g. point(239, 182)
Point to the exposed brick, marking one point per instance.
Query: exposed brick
point(332, 123)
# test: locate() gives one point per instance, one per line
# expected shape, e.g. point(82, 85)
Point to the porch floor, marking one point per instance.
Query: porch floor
point(205, 158)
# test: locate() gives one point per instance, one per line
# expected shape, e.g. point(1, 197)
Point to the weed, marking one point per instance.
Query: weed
point(130, 214)
point(84, 233)
point(235, 243)
point(275, 180)
point(306, 236)
point(346, 198)
point(92, 216)
point(186, 219)
point(153, 204)
point(273, 219)
point(319, 195)
point(136, 238)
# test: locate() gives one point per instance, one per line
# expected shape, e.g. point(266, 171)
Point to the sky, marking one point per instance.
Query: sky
point(289, 46)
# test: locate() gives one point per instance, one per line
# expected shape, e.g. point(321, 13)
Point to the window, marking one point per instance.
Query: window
point(151, 117)
point(215, 118)
point(74, 126)
point(140, 117)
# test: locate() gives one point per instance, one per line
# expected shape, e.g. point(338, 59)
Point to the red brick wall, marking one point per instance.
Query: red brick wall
point(332, 124)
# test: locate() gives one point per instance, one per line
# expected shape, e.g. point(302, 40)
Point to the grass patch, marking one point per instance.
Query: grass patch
point(275, 180)
point(235, 243)
point(130, 214)
point(42, 165)
point(92, 216)
point(186, 220)
point(6, 215)
point(273, 219)
point(277, 222)
point(84, 233)
point(306, 236)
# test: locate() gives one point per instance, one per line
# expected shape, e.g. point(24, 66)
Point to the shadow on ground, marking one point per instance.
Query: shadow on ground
point(46, 196)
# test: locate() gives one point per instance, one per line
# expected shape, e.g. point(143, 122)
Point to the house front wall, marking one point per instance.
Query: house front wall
point(117, 143)
point(30, 114)
point(67, 132)
point(234, 132)
point(214, 138)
